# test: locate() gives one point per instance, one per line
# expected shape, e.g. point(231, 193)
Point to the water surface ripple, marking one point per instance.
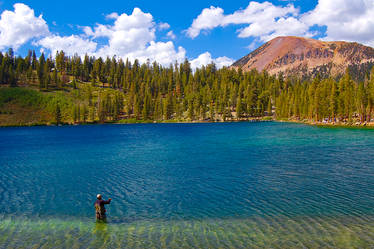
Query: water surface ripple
point(227, 185)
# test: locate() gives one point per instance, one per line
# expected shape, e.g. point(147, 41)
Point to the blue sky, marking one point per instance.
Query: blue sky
point(204, 31)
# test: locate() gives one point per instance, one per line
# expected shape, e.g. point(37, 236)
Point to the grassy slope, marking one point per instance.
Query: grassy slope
point(26, 106)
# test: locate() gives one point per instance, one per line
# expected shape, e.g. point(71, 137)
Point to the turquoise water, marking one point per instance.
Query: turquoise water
point(226, 185)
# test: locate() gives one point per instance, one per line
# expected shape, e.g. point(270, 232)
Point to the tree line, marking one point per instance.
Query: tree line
point(117, 89)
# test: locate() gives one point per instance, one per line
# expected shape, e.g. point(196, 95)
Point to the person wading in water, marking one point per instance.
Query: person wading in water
point(100, 208)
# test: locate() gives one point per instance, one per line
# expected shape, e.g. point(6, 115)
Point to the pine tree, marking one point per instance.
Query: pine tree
point(85, 113)
point(238, 108)
point(79, 113)
point(75, 114)
point(361, 101)
point(40, 71)
point(12, 78)
point(58, 116)
point(92, 113)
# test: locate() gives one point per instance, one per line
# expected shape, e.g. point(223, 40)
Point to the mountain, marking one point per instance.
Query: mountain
point(307, 57)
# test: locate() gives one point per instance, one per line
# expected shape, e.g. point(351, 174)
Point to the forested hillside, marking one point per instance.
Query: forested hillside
point(75, 90)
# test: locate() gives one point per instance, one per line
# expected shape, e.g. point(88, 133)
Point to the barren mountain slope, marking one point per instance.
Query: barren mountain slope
point(302, 56)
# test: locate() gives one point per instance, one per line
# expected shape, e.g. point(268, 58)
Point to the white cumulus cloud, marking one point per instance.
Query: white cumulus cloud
point(163, 26)
point(134, 36)
point(162, 52)
point(344, 20)
point(206, 58)
point(71, 45)
point(20, 26)
point(208, 19)
point(264, 20)
point(129, 32)
point(113, 15)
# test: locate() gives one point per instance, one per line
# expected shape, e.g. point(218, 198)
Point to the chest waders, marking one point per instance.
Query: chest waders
point(100, 212)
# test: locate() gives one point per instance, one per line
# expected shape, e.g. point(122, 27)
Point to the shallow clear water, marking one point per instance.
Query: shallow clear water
point(226, 185)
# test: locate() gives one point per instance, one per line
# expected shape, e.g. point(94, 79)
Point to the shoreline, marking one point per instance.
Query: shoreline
point(369, 126)
point(254, 120)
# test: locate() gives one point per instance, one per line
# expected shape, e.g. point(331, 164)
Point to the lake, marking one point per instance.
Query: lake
point(210, 185)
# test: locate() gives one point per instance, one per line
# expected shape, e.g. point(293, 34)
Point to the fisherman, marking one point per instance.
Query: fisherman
point(100, 208)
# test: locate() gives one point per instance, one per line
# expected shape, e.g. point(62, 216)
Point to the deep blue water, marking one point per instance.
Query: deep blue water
point(214, 172)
